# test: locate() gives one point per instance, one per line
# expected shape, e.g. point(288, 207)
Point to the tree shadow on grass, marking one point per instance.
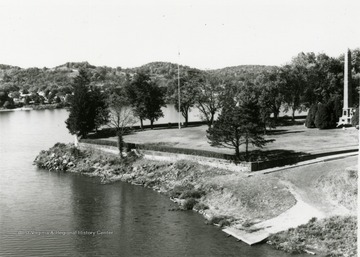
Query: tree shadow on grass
point(277, 154)
point(108, 132)
point(281, 132)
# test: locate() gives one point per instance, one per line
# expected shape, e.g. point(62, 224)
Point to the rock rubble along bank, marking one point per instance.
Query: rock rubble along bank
point(226, 197)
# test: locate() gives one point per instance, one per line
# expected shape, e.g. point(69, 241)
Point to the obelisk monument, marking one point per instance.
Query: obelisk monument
point(348, 109)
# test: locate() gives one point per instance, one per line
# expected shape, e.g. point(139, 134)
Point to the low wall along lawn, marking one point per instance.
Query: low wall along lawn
point(249, 166)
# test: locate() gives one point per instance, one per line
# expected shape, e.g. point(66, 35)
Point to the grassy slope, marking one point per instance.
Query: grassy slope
point(331, 188)
point(328, 186)
point(334, 236)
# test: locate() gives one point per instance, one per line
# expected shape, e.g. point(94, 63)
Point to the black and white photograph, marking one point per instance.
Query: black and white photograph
point(172, 128)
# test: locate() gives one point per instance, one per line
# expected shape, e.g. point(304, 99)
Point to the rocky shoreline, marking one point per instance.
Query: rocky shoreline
point(225, 198)
point(194, 186)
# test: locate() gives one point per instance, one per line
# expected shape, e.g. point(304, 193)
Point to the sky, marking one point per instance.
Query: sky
point(208, 34)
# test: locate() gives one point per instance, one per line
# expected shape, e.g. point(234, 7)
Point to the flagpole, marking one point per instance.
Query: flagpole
point(179, 92)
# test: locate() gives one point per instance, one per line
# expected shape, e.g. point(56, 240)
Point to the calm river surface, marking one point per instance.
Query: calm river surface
point(48, 214)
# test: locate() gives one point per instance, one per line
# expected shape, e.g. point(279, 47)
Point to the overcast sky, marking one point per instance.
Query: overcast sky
point(208, 34)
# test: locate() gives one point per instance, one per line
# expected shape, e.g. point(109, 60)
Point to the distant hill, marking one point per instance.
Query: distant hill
point(13, 78)
point(241, 70)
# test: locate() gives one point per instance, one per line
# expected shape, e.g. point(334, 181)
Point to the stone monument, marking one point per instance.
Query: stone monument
point(348, 110)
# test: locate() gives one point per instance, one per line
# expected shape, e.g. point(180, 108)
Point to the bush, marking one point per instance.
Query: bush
point(201, 206)
point(192, 193)
point(189, 204)
point(75, 152)
point(323, 117)
point(310, 119)
point(179, 189)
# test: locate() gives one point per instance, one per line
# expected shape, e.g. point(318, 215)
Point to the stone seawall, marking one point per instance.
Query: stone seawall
point(173, 157)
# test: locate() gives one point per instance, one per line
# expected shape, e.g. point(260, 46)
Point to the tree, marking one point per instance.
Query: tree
point(9, 104)
point(189, 82)
point(121, 116)
point(98, 99)
point(208, 97)
point(293, 91)
point(270, 86)
point(154, 99)
point(238, 124)
point(146, 98)
point(133, 92)
point(85, 105)
point(3, 97)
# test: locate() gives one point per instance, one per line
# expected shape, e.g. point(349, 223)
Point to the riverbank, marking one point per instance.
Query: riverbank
point(16, 109)
point(35, 107)
point(224, 197)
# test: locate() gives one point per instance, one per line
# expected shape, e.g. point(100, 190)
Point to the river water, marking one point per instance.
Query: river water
point(55, 214)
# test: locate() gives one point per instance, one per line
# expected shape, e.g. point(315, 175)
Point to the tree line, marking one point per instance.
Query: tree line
point(245, 104)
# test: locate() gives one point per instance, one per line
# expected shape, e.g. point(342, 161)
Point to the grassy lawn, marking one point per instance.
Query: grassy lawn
point(293, 138)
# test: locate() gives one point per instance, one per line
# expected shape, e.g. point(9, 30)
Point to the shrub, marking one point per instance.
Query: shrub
point(323, 117)
point(59, 145)
point(310, 119)
point(75, 152)
point(201, 206)
point(189, 204)
point(179, 189)
point(192, 193)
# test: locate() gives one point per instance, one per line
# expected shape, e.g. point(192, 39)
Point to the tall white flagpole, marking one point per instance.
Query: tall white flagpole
point(179, 92)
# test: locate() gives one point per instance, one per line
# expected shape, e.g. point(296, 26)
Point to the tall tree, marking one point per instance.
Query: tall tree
point(238, 124)
point(121, 116)
point(293, 91)
point(133, 89)
point(98, 99)
point(189, 82)
point(146, 98)
point(85, 105)
point(270, 86)
point(208, 97)
point(154, 99)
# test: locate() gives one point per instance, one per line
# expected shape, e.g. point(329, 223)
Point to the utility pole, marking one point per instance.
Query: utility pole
point(179, 92)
